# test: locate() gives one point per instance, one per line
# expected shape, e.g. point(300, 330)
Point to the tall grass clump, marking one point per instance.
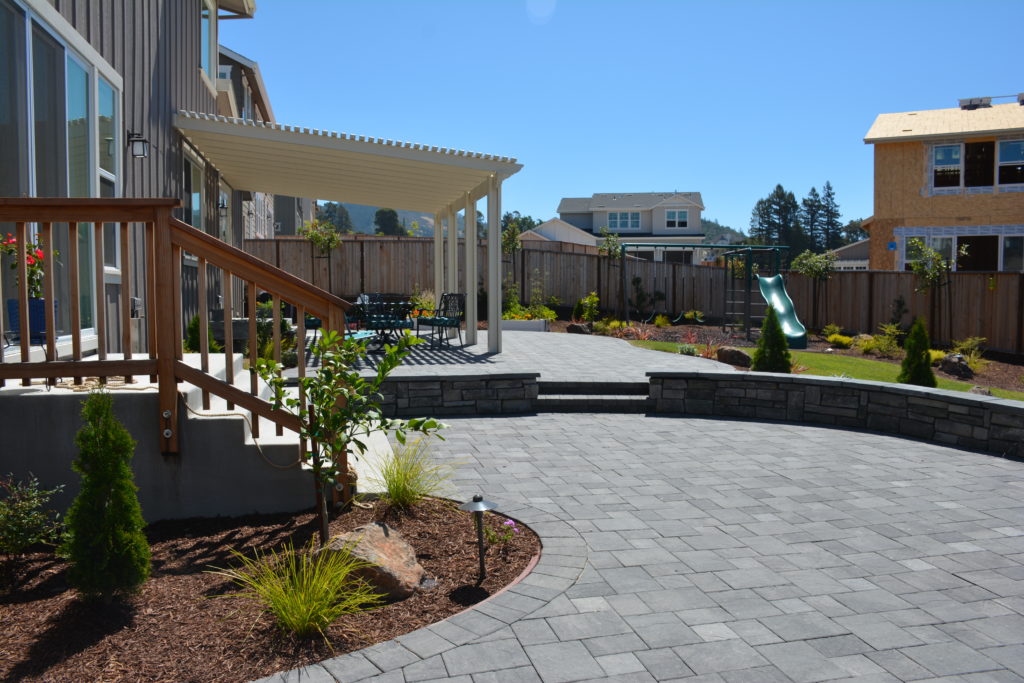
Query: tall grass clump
point(305, 591)
point(412, 474)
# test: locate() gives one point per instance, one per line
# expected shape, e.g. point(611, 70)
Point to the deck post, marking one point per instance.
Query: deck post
point(438, 258)
point(494, 265)
point(165, 314)
point(470, 312)
point(452, 278)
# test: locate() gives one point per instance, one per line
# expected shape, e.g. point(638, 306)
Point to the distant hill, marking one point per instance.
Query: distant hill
point(716, 233)
point(362, 219)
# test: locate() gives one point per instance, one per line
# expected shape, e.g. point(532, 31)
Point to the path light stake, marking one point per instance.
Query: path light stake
point(478, 506)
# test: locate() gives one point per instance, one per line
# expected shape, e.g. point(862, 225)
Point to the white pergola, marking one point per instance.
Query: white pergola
point(300, 162)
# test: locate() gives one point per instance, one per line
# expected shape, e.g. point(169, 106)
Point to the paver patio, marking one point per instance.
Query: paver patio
point(721, 550)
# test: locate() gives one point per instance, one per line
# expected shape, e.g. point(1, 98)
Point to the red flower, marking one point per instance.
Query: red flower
point(29, 260)
point(39, 254)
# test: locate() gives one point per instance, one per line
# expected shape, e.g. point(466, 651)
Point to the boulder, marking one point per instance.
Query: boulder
point(984, 391)
point(955, 365)
point(394, 569)
point(733, 356)
point(579, 328)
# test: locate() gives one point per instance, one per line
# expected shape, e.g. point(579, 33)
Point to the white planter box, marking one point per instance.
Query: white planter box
point(525, 325)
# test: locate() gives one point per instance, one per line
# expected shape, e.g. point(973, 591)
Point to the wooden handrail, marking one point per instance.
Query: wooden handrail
point(269, 278)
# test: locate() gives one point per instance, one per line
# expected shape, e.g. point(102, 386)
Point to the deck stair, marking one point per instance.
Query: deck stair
point(592, 397)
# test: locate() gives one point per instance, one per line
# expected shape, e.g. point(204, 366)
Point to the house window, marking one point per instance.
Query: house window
point(623, 220)
point(208, 38)
point(1013, 254)
point(192, 192)
point(675, 219)
point(1011, 162)
point(978, 164)
point(943, 245)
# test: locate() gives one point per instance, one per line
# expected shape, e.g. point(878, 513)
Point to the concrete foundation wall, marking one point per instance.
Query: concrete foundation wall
point(219, 472)
point(982, 423)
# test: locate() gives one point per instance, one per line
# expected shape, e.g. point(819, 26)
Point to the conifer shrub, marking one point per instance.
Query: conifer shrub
point(916, 367)
point(772, 352)
point(106, 548)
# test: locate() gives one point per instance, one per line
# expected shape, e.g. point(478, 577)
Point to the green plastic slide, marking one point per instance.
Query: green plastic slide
point(774, 292)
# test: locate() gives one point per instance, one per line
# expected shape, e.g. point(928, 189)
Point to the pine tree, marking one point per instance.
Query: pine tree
point(776, 220)
point(772, 352)
point(917, 363)
point(107, 550)
point(831, 226)
point(811, 219)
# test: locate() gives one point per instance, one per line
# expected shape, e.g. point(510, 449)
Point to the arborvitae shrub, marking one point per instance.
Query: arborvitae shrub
point(917, 363)
point(106, 548)
point(772, 352)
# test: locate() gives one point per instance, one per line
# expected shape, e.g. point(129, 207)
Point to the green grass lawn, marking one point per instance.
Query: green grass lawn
point(829, 365)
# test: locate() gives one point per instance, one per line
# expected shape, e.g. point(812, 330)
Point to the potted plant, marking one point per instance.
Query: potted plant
point(322, 235)
point(35, 265)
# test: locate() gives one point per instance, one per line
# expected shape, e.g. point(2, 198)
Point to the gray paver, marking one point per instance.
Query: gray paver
point(946, 659)
point(557, 662)
point(481, 657)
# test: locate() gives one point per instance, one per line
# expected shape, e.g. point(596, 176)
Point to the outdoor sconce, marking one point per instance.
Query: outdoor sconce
point(222, 208)
point(478, 506)
point(138, 144)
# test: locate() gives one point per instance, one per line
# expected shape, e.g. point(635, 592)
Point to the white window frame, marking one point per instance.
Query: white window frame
point(961, 168)
point(903, 235)
point(1000, 164)
point(629, 219)
point(672, 216)
point(209, 74)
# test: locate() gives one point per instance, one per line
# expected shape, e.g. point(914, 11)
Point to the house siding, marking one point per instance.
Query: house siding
point(583, 221)
point(903, 199)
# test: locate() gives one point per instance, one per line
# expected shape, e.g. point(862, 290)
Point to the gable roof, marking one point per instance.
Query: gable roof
point(933, 123)
point(616, 201)
point(554, 226)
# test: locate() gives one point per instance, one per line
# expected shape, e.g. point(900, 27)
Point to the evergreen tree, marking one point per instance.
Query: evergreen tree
point(916, 367)
point(336, 214)
point(831, 226)
point(854, 231)
point(811, 218)
point(387, 223)
point(106, 547)
point(776, 220)
point(772, 352)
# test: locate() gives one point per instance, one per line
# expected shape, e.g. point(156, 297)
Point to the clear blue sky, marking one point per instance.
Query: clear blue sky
point(723, 98)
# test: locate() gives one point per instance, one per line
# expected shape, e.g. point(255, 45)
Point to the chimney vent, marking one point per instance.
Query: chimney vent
point(975, 103)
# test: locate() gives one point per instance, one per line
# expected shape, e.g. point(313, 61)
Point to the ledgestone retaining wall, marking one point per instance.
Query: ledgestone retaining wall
point(459, 395)
point(972, 421)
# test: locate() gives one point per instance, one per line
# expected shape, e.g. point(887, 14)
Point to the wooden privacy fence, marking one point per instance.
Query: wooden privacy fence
point(989, 305)
point(146, 228)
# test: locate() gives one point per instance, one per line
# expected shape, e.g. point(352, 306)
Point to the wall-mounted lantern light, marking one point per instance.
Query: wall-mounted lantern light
point(138, 144)
point(222, 208)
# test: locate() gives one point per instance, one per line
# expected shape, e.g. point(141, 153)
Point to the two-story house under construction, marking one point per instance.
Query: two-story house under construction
point(953, 178)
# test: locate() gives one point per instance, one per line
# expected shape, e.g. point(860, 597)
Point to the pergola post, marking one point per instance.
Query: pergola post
point(452, 278)
point(470, 270)
point(438, 258)
point(494, 265)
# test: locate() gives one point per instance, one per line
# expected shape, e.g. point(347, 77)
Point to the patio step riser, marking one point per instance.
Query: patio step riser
point(590, 404)
point(593, 388)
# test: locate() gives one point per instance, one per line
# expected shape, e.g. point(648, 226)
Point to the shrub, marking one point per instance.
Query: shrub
point(772, 353)
point(884, 345)
point(689, 349)
point(694, 316)
point(970, 349)
point(936, 355)
point(662, 321)
point(106, 548)
point(191, 343)
point(916, 367)
point(411, 474)
point(588, 307)
point(839, 341)
point(830, 329)
point(423, 299)
point(304, 591)
point(24, 519)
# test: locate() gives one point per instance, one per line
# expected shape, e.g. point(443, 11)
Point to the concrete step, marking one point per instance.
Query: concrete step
point(593, 388)
point(592, 403)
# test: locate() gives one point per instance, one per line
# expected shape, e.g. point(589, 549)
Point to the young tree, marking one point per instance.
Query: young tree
point(772, 352)
point(387, 222)
point(611, 245)
point(811, 219)
point(831, 226)
point(916, 367)
point(514, 224)
point(106, 547)
point(819, 268)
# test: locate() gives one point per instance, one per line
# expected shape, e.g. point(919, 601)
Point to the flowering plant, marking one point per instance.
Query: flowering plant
point(506, 532)
point(33, 259)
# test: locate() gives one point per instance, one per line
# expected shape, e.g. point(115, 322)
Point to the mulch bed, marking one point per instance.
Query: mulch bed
point(1001, 371)
point(178, 629)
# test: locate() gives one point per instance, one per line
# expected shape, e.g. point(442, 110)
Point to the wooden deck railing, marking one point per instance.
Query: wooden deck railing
point(161, 243)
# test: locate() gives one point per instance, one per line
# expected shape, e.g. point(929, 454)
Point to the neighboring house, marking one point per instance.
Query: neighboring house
point(641, 217)
point(953, 178)
point(290, 214)
point(557, 230)
point(853, 256)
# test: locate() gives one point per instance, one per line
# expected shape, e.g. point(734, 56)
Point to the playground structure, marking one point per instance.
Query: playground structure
point(742, 308)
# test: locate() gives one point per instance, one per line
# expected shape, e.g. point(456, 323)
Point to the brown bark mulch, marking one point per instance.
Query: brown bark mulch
point(179, 627)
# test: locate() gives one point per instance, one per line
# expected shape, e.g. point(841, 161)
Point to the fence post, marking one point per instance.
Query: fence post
point(166, 354)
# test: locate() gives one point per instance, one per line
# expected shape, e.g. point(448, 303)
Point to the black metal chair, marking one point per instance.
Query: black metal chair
point(448, 315)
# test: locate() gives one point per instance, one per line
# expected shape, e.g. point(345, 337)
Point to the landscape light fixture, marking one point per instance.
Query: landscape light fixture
point(138, 144)
point(478, 506)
